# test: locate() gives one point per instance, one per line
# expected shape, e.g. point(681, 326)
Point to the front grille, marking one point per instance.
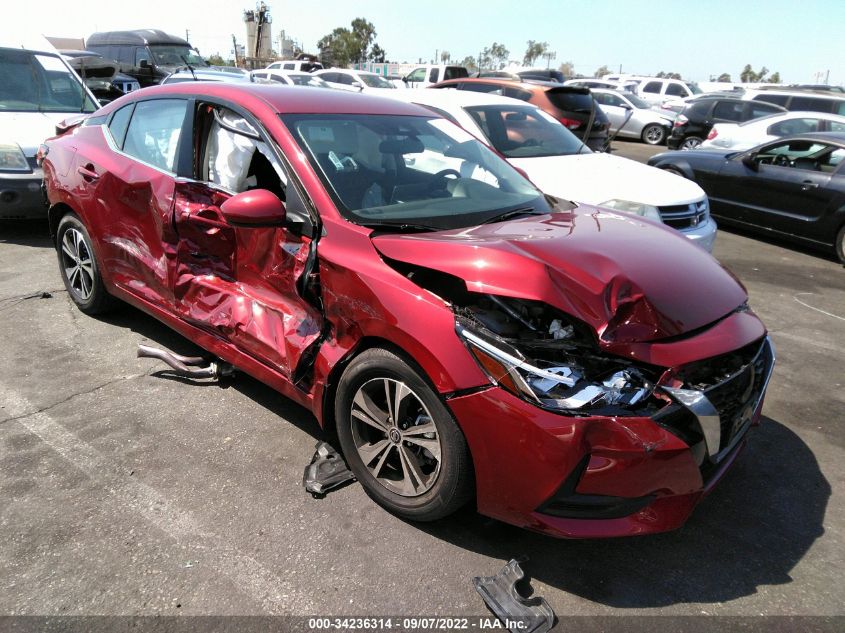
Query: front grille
point(737, 397)
point(684, 216)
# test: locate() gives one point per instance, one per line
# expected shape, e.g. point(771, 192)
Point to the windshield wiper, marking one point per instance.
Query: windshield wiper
point(401, 227)
point(508, 215)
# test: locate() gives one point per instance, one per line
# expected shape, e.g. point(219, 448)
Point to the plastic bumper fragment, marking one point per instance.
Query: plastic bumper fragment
point(326, 471)
point(525, 615)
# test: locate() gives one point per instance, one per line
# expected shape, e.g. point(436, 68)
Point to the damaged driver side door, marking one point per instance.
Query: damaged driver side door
point(242, 283)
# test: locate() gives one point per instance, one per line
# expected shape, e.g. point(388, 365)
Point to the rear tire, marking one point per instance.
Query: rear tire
point(840, 245)
point(79, 268)
point(691, 142)
point(400, 440)
point(653, 134)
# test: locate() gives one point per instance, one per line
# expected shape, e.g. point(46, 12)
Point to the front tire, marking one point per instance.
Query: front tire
point(400, 440)
point(840, 245)
point(654, 134)
point(79, 268)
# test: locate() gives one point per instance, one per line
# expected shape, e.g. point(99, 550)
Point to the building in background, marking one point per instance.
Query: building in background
point(259, 37)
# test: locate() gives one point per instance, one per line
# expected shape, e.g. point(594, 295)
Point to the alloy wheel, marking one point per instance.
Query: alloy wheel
point(78, 264)
point(691, 143)
point(395, 436)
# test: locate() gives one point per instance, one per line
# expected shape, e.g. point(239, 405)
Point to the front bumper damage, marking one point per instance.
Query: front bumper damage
point(598, 476)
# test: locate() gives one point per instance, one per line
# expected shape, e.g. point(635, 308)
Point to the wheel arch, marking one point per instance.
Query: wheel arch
point(55, 214)
point(332, 379)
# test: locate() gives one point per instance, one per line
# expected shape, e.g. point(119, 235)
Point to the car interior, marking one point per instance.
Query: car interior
point(804, 155)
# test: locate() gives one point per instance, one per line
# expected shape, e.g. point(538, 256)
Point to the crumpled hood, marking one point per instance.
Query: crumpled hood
point(630, 279)
point(29, 129)
point(597, 178)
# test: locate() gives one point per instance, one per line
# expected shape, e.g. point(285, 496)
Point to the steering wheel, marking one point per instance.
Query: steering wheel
point(782, 160)
point(438, 180)
point(446, 172)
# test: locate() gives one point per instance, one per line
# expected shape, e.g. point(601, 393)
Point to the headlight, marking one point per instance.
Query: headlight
point(562, 387)
point(636, 208)
point(12, 157)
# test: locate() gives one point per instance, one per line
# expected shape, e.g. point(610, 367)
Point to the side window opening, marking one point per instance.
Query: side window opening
point(236, 158)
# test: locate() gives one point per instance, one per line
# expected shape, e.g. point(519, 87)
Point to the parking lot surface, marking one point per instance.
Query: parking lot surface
point(128, 491)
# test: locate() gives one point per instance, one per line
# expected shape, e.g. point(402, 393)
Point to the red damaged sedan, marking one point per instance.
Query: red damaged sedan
point(573, 370)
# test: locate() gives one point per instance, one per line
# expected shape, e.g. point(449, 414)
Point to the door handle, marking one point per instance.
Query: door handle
point(806, 185)
point(87, 172)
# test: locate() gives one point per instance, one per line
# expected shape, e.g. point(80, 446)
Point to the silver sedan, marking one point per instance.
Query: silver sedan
point(635, 116)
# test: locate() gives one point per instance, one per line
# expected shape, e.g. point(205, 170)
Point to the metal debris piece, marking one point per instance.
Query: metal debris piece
point(187, 365)
point(326, 471)
point(518, 614)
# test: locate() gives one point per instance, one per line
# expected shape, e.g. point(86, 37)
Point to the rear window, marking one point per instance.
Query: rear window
point(729, 110)
point(455, 72)
point(810, 104)
point(571, 101)
point(776, 99)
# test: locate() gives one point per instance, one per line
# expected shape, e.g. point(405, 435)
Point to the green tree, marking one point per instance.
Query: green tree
point(217, 60)
point(568, 69)
point(665, 75)
point(775, 78)
point(749, 76)
point(484, 59)
point(344, 46)
point(724, 77)
point(363, 35)
point(601, 72)
point(377, 54)
point(469, 63)
point(533, 52)
point(445, 56)
point(498, 55)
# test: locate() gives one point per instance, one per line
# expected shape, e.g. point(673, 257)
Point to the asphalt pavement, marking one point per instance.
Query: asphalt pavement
point(126, 491)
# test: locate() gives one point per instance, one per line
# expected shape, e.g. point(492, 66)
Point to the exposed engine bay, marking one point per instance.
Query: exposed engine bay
point(540, 353)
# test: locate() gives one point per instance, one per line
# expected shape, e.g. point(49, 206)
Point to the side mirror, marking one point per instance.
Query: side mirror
point(750, 161)
point(144, 63)
point(405, 79)
point(258, 207)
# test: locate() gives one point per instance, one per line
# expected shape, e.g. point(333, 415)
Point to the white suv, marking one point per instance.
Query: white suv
point(655, 90)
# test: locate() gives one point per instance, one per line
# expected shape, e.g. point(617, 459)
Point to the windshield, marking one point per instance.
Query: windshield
point(525, 131)
point(39, 82)
point(693, 88)
point(636, 101)
point(175, 55)
point(410, 172)
point(304, 79)
point(374, 81)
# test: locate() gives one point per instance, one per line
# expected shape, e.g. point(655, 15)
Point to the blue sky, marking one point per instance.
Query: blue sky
point(697, 39)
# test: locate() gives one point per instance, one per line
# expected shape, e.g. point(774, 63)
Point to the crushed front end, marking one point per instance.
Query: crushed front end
point(578, 442)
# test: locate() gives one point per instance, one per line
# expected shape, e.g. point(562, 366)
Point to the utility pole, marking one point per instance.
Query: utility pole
point(235, 47)
point(187, 33)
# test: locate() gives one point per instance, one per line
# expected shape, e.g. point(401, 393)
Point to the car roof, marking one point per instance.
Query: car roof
point(34, 43)
point(460, 98)
point(138, 36)
point(829, 137)
point(284, 99)
point(532, 85)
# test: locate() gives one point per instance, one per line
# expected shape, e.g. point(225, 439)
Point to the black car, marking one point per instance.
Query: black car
point(148, 55)
point(542, 74)
point(793, 187)
point(696, 120)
